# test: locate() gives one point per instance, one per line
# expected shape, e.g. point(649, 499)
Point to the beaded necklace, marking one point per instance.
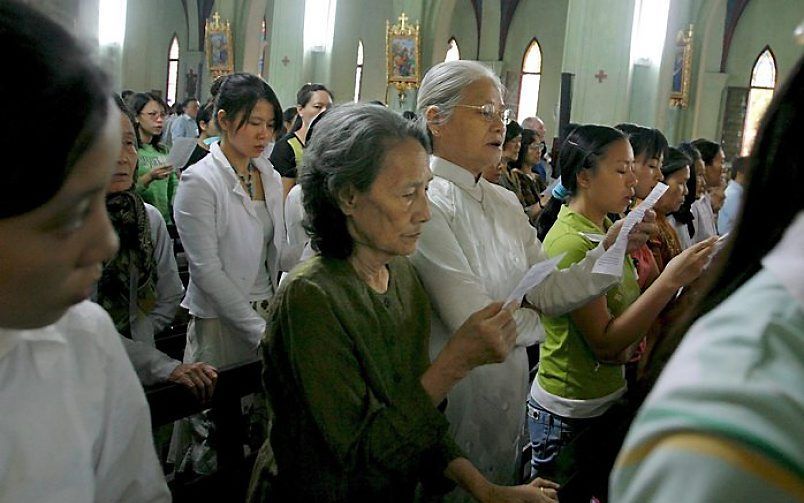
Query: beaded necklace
point(246, 179)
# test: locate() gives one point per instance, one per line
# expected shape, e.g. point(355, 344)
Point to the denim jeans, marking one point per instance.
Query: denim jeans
point(549, 433)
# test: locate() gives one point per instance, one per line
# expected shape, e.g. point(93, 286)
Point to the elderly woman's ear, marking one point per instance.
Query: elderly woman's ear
point(346, 198)
point(431, 114)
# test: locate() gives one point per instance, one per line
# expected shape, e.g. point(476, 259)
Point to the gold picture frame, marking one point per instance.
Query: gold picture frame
point(403, 54)
point(219, 47)
point(682, 69)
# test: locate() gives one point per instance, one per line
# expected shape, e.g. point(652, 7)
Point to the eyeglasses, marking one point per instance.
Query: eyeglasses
point(489, 112)
point(154, 115)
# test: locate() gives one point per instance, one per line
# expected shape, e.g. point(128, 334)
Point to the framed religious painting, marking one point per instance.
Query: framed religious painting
point(682, 69)
point(402, 53)
point(219, 47)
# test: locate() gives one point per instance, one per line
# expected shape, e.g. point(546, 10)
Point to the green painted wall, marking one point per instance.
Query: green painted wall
point(464, 28)
point(765, 22)
point(547, 21)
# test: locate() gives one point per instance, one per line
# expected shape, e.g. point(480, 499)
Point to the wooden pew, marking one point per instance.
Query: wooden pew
point(170, 402)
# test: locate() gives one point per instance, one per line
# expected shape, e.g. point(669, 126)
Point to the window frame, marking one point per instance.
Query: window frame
point(173, 39)
point(522, 74)
point(744, 148)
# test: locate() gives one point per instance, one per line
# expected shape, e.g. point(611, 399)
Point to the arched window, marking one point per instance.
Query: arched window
point(763, 81)
point(453, 52)
point(529, 81)
point(264, 47)
point(359, 71)
point(172, 70)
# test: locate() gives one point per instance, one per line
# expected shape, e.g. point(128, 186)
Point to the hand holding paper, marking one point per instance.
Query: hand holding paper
point(611, 262)
point(533, 278)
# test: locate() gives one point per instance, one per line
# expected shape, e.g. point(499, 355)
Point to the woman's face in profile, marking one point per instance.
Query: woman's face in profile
point(123, 176)
point(388, 218)
point(52, 256)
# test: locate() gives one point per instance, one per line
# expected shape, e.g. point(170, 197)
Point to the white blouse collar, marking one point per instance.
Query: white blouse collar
point(459, 176)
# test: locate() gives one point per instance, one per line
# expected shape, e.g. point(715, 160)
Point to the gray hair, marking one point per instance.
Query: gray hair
point(346, 150)
point(443, 84)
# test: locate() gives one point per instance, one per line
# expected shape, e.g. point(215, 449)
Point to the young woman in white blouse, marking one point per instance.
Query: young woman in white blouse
point(475, 249)
point(229, 214)
point(75, 424)
point(230, 219)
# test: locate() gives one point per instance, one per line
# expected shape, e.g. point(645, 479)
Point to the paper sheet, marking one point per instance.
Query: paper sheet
point(611, 262)
point(533, 278)
point(180, 152)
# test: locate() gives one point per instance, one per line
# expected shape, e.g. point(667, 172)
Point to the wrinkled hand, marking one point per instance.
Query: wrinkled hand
point(638, 236)
point(538, 491)
point(685, 267)
point(487, 336)
point(200, 378)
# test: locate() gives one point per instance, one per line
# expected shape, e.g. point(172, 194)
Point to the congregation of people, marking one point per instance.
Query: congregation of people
point(365, 258)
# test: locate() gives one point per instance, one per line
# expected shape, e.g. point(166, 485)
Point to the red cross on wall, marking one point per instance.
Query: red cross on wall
point(601, 75)
point(285, 61)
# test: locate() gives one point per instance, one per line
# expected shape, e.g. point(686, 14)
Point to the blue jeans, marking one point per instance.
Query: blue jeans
point(549, 433)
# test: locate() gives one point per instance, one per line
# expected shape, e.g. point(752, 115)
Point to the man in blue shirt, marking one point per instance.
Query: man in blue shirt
point(730, 211)
point(185, 126)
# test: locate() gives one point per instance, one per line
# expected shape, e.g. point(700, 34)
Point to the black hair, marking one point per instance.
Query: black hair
point(125, 94)
point(776, 164)
point(410, 115)
point(708, 150)
point(187, 101)
point(239, 94)
point(675, 160)
point(512, 130)
point(378, 102)
point(348, 150)
point(289, 114)
point(136, 103)
point(582, 149)
point(305, 94)
point(205, 114)
point(58, 75)
point(303, 97)
point(739, 166)
point(528, 137)
point(684, 214)
point(215, 87)
point(648, 142)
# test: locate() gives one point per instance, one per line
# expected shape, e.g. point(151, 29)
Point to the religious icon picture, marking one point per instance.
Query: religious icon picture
point(219, 47)
point(402, 46)
point(682, 68)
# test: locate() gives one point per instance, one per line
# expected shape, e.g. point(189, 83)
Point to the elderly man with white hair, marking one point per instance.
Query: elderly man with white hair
point(475, 249)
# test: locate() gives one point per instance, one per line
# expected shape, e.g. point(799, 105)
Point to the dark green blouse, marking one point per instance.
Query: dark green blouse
point(342, 368)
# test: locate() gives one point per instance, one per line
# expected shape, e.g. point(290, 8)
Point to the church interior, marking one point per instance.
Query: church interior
point(404, 250)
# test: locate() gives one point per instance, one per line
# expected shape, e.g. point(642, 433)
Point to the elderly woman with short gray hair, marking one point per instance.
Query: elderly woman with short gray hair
point(475, 249)
point(346, 364)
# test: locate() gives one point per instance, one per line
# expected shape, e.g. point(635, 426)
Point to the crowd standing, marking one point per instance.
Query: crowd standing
point(366, 258)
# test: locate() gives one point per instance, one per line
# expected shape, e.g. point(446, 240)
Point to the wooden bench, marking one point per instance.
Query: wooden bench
point(170, 402)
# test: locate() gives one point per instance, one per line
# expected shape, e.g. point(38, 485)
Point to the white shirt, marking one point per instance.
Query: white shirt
point(75, 426)
point(704, 219)
point(223, 238)
point(294, 217)
point(728, 214)
point(153, 366)
point(682, 231)
point(474, 250)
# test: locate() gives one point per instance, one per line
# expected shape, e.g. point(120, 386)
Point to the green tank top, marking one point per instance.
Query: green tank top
point(568, 367)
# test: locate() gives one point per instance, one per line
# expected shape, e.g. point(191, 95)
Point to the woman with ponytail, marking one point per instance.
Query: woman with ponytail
point(580, 374)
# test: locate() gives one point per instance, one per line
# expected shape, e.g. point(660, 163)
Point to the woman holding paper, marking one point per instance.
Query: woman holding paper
point(156, 180)
point(581, 372)
point(476, 248)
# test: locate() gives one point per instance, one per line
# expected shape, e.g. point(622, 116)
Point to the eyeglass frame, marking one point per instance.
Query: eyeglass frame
point(489, 115)
point(154, 115)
